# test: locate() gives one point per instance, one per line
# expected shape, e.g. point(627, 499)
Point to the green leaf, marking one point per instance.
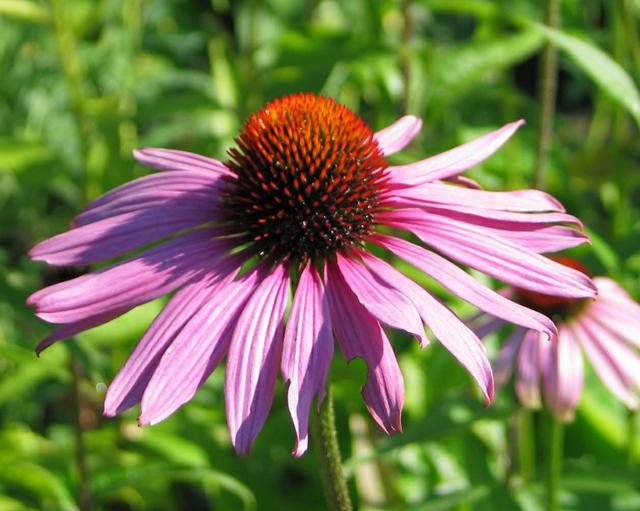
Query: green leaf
point(606, 73)
point(464, 65)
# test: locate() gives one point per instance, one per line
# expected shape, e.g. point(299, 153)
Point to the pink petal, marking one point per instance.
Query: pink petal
point(360, 335)
point(454, 161)
point(617, 365)
point(499, 219)
point(465, 286)
point(563, 374)
point(454, 335)
point(383, 302)
point(128, 386)
point(488, 327)
point(113, 237)
point(170, 159)
point(528, 378)
point(455, 196)
point(398, 135)
point(253, 360)
point(491, 254)
point(70, 329)
point(132, 282)
point(617, 321)
point(183, 190)
point(196, 350)
point(307, 352)
point(507, 357)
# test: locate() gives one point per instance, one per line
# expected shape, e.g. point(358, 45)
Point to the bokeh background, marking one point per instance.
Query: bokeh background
point(83, 82)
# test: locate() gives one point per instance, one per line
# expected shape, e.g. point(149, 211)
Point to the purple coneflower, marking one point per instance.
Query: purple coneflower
point(298, 204)
point(606, 330)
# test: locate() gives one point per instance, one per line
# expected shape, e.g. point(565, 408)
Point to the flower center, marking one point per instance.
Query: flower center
point(308, 177)
point(555, 307)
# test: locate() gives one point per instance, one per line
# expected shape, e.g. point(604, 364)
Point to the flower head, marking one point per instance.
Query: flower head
point(606, 330)
point(301, 199)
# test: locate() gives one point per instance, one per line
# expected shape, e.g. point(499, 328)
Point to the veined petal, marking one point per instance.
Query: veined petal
point(454, 335)
point(465, 286)
point(383, 302)
point(616, 364)
point(617, 321)
point(166, 188)
point(115, 236)
point(128, 386)
point(307, 352)
point(532, 201)
point(170, 159)
point(132, 282)
point(196, 350)
point(492, 255)
point(398, 135)
point(563, 373)
point(528, 376)
point(253, 359)
point(360, 335)
point(454, 161)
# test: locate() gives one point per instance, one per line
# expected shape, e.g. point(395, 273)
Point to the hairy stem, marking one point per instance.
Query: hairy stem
point(325, 438)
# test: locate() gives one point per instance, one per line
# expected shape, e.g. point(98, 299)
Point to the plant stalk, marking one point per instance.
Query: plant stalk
point(548, 84)
point(556, 444)
point(325, 438)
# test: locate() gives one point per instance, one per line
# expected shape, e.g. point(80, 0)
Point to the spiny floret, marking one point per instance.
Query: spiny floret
point(309, 174)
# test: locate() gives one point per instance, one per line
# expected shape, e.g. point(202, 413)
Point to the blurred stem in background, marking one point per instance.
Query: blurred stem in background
point(325, 437)
point(526, 444)
point(73, 74)
point(556, 437)
point(547, 83)
point(84, 486)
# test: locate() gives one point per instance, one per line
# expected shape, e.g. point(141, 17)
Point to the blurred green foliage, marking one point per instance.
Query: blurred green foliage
point(83, 82)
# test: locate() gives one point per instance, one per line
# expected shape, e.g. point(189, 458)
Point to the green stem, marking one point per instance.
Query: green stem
point(526, 444)
point(556, 437)
point(84, 487)
point(325, 438)
point(548, 80)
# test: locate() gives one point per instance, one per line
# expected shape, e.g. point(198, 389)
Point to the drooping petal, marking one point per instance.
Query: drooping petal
point(617, 321)
point(506, 360)
point(115, 236)
point(128, 386)
point(170, 159)
point(532, 230)
point(307, 352)
point(562, 373)
point(132, 282)
point(254, 357)
point(492, 255)
point(179, 189)
point(383, 302)
point(528, 375)
point(615, 363)
point(360, 335)
point(465, 286)
point(68, 330)
point(196, 350)
point(454, 335)
point(532, 201)
point(454, 161)
point(398, 135)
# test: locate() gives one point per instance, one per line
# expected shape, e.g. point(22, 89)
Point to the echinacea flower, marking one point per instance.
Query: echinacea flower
point(298, 204)
point(606, 330)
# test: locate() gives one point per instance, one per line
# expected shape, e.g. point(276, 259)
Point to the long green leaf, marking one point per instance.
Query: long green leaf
point(606, 73)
